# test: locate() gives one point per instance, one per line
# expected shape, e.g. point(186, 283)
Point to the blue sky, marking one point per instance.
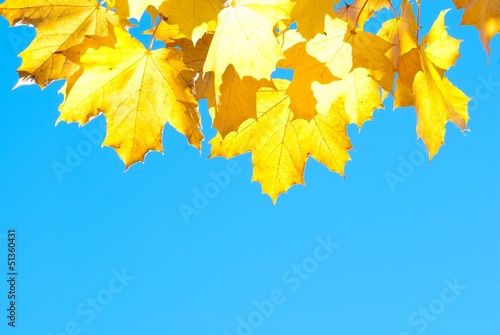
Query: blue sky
point(102, 251)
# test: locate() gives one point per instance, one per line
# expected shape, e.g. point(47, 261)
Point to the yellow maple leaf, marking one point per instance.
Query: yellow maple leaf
point(170, 33)
point(194, 58)
point(309, 15)
point(369, 52)
point(360, 11)
point(72, 20)
point(138, 91)
point(343, 49)
point(307, 69)
point(192, 16)
point(227, 53)
point(484, 15)
point(358, 94)
point(409, 65)
point(359, 73)
point(167, 32)
point(237, 101)
point(439, 47)
point(437, 101)
point(402, 33)
point(245, 38)
point(281, 145)
point(331, 49)
point(435, 98)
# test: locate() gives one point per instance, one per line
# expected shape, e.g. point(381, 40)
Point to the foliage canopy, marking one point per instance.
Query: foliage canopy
point(226, 52)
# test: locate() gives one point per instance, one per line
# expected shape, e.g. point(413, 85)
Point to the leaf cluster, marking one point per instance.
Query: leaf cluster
point(226, 52)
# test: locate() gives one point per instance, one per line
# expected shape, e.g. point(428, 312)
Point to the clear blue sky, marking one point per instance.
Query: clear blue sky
point(102, 251)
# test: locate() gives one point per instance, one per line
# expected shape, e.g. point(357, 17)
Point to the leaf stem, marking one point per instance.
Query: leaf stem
point(154, 33)
point(394, 9)
point(359, 14)
point(418, 18)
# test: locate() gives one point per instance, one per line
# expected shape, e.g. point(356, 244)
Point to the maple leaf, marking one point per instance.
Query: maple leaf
point(435, 98)
point(307, 70)
point(238, 95)
point(192, 16)
point(369, 52)
point(484, 15)
point(343, 50)
point(404, 54)
point(194, 58)
point(43, 61)
point(360, 11)
point(138, 91)
point(331, 49)
point(402, 33)
point(358, 93)
point(245, 39)
point(226, 53)
point(281, 145)
point(237, 101)
point(359, 73)
point(309, 15)
point(168, 33)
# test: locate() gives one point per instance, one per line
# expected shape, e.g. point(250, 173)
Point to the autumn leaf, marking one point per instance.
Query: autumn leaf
point(369, 52)
point(331, 48)
point(421, 80)
point(404, 54)
point(281, 145)
point(359, 73)
point(343, 50)
point(309, 15)
point(307, 70)
point(360, 11)
point(358, 94)
point(192, 16)
point(401, 32)
point(245, 39)
point(227, 52)
point(168, 33)
point(484, 15)
point(435, 98)
point(138, 91)
point(43, 61)
point(194, 58)
point(237, 101)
